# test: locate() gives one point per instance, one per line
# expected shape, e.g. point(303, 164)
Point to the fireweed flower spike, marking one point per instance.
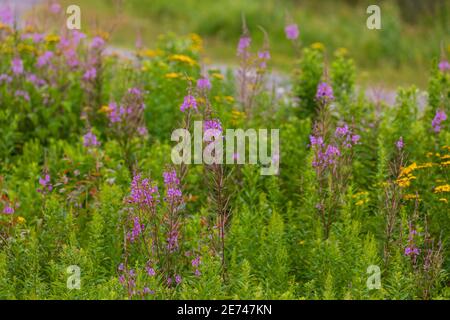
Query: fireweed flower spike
point(45, 58)
point(203, 84)
point(244, 44)
point(264, 56)
point(8, 210)
point(17, 66)
point(189, 102)
point(46, 186)
point(324, 93)
point(438, 119)
point(212, 128)
point(90, 140)
point(399, 144)
point(291, 31)
point(444, 65)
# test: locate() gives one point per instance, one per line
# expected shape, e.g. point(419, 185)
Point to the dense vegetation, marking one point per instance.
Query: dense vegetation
point(87, 181)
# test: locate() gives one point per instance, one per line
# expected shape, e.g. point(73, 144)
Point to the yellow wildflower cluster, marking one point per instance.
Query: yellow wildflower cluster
point(150, 53)
point(443, 188)
point(52, 38)
point(318, 46)
point(26, 48)
point(405, 176)
point(361, 197)
point(173, 75)
point(197, 42)
point(217, 75)
point(237, 116)
point(104, 109)
point(21, 220)
point(411, 196)
point(183, 58)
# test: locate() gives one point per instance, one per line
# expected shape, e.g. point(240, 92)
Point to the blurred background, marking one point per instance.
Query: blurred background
point(413, 31)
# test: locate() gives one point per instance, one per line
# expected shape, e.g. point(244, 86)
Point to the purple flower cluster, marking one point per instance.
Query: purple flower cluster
point(33, 79)
point(195, 264)
point(324, 93)
point(264, 56)
point(8, 209)
point(411, 249)
point(90, 74)
point(291, 31)
point(5, 78)
point(172, 183)
point(90, 140)
point(438, 119)
point(143, 192)
point(116, 112)
point(203, 84)
point(325, 155)
point(127, 119)
point(172, 239)
point(17, 66)
point(46, 186)
point(97, 43)
point(22, 94)
point(212, 128)
point(444, 65)
point(346, 136)
point(189, 102)
point(137, 229)
point(45, 58)
point(244, 43)
point(400, 144)
point(142, 131)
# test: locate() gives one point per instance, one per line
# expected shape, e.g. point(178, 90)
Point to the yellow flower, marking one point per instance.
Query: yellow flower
point(362, 193)
point(51, 38)
point(411, 197)
point(149, 53)
point(425, 165)
point(446, 156)
point(318, 46)
point(446, 163)
point(236, 116)
point(21, 220)
point(230, 99)
point(407, 170)
point(183, 58)
point(105, 109)
point(405, 181)
point(217, 75)
point(197, 42)
point(359, 203)
point(443, 188)
point(301, 242)
point(173, 75)
point(26, 48)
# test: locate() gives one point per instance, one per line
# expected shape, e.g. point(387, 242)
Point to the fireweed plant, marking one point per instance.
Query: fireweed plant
point(86, 177)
